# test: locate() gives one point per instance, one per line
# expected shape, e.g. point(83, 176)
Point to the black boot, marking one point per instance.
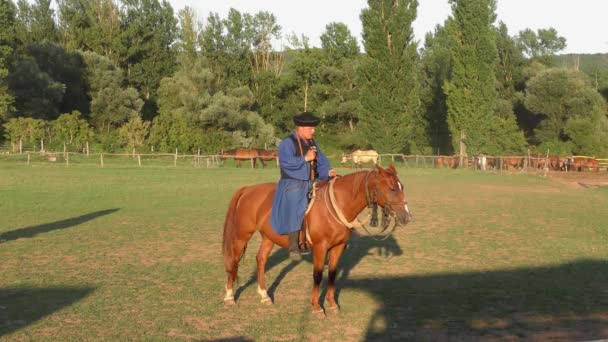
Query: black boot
point(294, 249)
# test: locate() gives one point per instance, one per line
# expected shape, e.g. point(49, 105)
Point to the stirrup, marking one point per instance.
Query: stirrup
point(295, 255)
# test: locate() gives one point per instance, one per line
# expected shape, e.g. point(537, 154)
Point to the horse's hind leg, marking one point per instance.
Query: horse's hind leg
point(238, 250)
point(262, 258)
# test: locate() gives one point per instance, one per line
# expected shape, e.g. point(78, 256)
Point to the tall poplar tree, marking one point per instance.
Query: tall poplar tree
point(388, 77)
point(7, 45)
point(471, 90)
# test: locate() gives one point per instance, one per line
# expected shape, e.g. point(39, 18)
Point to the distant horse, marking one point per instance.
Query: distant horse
point(241, 154)
point(358, 157)
point(334, 209)
point(451, 162)
point(512, 162)
point(267, 155)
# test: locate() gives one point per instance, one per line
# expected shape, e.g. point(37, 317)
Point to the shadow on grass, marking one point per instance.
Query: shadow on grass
point(20, 307)
point(32, 231)
point(565, 302)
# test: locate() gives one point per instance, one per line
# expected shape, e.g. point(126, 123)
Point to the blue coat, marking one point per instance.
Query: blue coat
point(291, 196)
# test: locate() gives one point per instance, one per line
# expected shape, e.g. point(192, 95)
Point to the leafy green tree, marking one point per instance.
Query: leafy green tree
point(171, 130)
point(388, 80)
point(336, 88)
point(112, 104)
point(37, 94)
point(304, 66)
point(187, 45)
point(212, 47)
point(112, 107)
point(338, 43)
point(133, 133)
point(73, 23)
point(436, 67)
point(26, 131)
point(149, 31)
point(103, 34)
point(7, 46)
point(542, 44)
point(72, 129)
point(238, 44)
point(570, 110)
point(48, 82)
point(36, 22)
point(509, 66)
point(474, 122)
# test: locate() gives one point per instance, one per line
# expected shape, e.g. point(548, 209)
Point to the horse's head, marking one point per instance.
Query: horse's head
point(390, 194)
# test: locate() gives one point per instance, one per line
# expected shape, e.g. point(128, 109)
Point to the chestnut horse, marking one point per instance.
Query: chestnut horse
point(267, 155)
point(241, 154)
point(333, 211)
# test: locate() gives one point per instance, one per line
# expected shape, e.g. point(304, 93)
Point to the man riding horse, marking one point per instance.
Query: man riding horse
point(301, 163)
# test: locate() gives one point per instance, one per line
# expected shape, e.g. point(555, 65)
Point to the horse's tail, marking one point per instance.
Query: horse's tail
point(230, 233)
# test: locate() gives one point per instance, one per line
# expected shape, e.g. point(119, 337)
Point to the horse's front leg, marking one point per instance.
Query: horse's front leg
point(318, 262)
point(334, 258)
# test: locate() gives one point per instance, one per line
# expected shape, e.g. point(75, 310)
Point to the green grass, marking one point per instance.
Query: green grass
point(129, 253)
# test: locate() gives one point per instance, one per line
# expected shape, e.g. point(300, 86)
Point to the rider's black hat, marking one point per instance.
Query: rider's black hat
point(307, 119)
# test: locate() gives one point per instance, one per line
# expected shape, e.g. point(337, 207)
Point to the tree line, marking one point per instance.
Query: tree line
point(134, 74)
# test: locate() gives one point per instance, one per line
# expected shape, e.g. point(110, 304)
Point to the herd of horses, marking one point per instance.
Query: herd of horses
point(483, 162)
point(253, 155)
point(538, 161)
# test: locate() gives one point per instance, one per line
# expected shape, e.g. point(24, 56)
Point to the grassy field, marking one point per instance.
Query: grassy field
point(127, 253)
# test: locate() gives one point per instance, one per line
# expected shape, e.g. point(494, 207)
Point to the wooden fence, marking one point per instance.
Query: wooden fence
point(102, 159)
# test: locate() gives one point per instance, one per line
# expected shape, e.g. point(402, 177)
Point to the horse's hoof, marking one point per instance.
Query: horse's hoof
point(266, 301)
point(333, 310)
point(318, 313)
point(229, 302)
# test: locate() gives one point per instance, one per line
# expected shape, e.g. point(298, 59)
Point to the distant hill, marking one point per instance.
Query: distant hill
point(594, 65)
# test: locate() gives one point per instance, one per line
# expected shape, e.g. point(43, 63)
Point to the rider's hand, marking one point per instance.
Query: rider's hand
point(310, 155)
point(333, 173)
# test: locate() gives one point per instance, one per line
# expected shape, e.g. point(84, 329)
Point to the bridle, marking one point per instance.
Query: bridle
point(371, 199)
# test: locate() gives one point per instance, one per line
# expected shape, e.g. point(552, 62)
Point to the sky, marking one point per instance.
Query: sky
point(580, 22)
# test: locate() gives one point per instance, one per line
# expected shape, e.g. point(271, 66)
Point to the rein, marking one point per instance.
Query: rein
point(371, 203)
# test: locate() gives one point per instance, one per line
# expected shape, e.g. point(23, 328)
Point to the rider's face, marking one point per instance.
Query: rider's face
point(305, 132)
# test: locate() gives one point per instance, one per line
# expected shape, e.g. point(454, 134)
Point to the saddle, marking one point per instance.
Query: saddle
point(304, 241)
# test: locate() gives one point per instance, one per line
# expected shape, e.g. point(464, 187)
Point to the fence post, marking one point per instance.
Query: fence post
point(67, 159)
point(501, 164)
point(139, 159)
point(101, 158)
point(64, 150)
point(28, 158)
point(87, 148)
point(175, 159)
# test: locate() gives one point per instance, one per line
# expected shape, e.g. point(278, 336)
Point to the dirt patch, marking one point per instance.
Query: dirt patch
point(580, 180)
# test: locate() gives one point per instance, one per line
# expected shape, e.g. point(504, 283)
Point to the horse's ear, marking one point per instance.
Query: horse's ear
point(391, 168)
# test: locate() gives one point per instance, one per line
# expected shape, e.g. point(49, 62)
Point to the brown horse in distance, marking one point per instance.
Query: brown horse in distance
point(335, 206)
point(241, 154)
point(267, 155)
